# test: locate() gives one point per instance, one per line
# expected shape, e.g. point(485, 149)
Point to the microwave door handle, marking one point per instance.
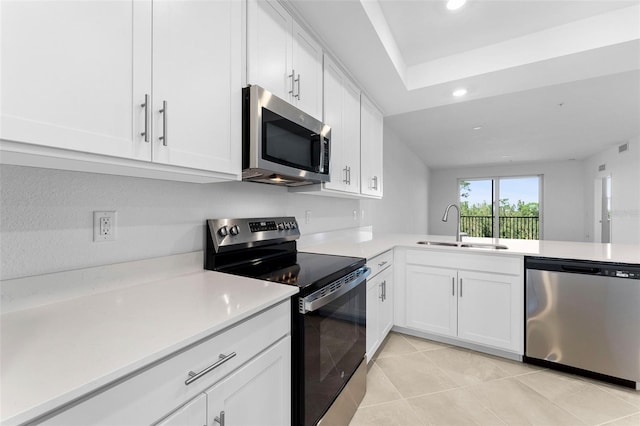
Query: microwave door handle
point(321, 165)
point(307, 305)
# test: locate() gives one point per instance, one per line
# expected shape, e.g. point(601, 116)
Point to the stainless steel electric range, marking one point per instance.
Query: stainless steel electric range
point(328, 320)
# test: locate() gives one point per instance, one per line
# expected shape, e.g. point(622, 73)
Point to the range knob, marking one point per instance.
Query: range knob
point(223, 232)
point(234, 230)
point(293, 225)
point(287, 225)
point(280, 226)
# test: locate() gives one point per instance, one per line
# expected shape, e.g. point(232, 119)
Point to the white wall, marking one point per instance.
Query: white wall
point(46, 216)
point(624, 169)
point(563, 196)
point(403, 207)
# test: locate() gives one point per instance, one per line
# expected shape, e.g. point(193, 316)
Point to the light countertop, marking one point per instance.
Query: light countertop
point(367, 244)
point(55, 353)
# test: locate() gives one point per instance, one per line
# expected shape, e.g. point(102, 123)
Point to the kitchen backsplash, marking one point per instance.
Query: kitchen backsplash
point(46, 216)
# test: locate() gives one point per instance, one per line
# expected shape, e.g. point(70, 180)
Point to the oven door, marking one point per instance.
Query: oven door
point(331, 346)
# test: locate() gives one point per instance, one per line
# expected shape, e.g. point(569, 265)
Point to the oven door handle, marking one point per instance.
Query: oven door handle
point(309, 304)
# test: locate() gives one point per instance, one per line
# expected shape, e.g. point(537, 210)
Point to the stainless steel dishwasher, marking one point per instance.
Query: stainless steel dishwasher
point(585, 316)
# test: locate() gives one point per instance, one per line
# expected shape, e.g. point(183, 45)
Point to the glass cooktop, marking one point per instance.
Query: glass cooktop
point(308, 271)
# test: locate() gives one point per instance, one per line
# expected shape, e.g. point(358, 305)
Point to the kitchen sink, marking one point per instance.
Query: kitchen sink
point(439, 243)
point(484, 246)
point(465, 245)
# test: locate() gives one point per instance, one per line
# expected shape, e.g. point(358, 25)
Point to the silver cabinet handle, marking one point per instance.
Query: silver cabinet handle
point(220, 419)
point(195, 376)
point(292, 76)
point(374, 186)
point(145, 105)
point(384, 290)
point(453, 286)
point(349, 175)
point(381, 297)
point(163, 111)
point(381, 264)
point(298, 80)
point(346, 175)
point(460, 287)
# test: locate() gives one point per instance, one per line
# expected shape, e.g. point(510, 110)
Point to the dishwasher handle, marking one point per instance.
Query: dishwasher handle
point(581, 269)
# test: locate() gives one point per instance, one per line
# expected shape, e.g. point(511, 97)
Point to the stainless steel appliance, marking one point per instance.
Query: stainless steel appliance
point(584, 315)
point(328, 317)
point(280, 144)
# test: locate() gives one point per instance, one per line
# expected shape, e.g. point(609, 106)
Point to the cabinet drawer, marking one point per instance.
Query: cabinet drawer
point(380, 262)
point(149, 395)
point(499, 264)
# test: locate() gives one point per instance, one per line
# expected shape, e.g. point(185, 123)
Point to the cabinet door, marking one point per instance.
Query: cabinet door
point(386, 305)
point(270, 47)
point(193, 413)
point(258, 393)
point(75, 74)
point(342, 114)
point(307, 64)
point(371, 149)
point(374, 295)
point(490, 309)
point(196, 84)
point(333, 116)
point(431, 302)
point(351, 134)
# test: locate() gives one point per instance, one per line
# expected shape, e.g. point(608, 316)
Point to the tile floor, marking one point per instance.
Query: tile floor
point(419, 382)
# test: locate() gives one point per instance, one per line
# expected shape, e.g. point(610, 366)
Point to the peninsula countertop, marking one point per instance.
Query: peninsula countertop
point(367, 244)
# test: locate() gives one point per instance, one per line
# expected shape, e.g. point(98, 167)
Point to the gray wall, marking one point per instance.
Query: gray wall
point(403, 208)
point(563, 196)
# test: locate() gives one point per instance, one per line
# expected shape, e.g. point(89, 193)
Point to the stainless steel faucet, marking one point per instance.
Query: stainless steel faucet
point(445, 217)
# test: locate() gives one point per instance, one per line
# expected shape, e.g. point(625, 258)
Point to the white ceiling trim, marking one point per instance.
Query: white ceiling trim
point(607, 29)
point(381, 27)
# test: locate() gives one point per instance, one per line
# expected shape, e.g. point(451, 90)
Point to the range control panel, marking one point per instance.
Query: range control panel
point(248, 232)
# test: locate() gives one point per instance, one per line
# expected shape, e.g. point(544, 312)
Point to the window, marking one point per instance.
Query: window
point(504, 207)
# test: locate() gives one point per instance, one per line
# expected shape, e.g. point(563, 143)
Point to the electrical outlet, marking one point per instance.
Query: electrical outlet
point(355, 215)
point(307, 216)
point(104, 226)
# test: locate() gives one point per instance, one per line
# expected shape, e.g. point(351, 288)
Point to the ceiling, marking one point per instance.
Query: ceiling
point(545, 80)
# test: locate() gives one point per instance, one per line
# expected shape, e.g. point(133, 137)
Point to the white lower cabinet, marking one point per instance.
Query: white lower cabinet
point(431, 304)
point(257, 394)
point(480, 301)
point(379, 301)
point(193, 413)
point(244, 371)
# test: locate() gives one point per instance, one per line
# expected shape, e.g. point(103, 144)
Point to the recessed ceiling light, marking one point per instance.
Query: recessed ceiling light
point(459, 92)
point(455, 4)
point(477, 128)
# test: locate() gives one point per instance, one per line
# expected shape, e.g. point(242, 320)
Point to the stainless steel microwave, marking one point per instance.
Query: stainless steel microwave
point(280, 144)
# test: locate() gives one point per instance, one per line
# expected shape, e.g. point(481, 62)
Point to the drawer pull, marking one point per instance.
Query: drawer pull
point(381, 264)
point(220, 419)
point(195, 376)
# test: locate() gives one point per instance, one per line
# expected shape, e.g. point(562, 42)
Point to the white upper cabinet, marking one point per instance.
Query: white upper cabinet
point(74, 75)
point(282, 57)
point(307, 72)
point(371, 149)
point(197, 95)
point(154, 81)
point(342, 114)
